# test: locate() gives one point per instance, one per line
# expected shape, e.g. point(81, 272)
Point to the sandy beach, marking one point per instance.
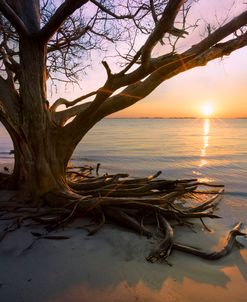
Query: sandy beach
point(111, 266)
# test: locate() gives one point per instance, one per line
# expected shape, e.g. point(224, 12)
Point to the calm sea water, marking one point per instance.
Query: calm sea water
point(215, 150)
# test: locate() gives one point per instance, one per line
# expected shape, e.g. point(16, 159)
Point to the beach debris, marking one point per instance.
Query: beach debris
point(146, 206)
point(215, 255)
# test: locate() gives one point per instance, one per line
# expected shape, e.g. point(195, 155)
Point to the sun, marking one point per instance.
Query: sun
point(207, 109)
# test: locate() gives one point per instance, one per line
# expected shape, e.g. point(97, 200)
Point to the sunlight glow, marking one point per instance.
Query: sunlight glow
point(206, 129)
point(207, 109)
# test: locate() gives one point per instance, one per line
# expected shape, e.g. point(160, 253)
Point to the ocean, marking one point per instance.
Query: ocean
point(208, 149)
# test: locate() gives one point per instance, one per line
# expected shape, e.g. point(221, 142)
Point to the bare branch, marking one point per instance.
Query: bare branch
point(66, 41)
point(9, 100)
point(133, 61)
point(153, 11)
point(67, 103)
point(7, 64)
point(158, 70)
point(164, 25)
point(61, 117)
point(172, 60)
point(109, 12)
point(141, 89)
point(107, 68)
point(64, 11)
point(221, 33)
point(11, 66)
point(177, 32)
point(124, 99)
point(13, 18)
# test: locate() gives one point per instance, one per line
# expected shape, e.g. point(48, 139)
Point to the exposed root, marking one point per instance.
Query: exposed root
point(126, 220)
point(100, 225)
point(163, 250)
point(230, 241)
point(203, 223)
point(144, 205)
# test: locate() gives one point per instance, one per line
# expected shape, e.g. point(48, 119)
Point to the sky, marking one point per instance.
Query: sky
point(222, 84)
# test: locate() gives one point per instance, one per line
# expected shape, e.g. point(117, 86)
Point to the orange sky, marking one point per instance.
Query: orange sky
point(223, 83)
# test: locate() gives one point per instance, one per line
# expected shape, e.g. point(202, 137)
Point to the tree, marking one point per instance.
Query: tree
point(41, 41)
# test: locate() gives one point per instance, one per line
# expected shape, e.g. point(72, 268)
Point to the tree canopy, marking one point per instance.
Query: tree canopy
point(70, 30)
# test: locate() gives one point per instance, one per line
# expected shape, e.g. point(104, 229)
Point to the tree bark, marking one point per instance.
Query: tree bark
point(39, 161)
point(39, 166)
point(41, 147)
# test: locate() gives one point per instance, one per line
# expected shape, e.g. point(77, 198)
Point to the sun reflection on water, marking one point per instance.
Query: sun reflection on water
point(206, 130)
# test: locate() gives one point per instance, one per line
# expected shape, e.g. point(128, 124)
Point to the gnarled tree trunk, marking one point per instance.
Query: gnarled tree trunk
point(38, 146)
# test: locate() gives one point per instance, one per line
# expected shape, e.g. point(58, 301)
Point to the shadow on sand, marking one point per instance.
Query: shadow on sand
point(111, 266)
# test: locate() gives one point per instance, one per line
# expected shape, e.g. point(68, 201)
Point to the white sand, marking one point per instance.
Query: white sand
point(111, 266)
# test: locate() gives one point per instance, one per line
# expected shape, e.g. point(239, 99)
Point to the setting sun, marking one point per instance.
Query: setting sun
point(207, 109)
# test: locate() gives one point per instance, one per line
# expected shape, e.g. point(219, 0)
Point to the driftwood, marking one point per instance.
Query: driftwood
point(165, 247)
point(229, 243)
point(144, 205)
